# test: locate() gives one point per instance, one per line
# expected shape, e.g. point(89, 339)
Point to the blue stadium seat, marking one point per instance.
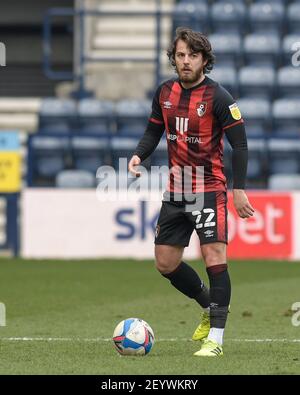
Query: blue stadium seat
point(288, 81)
point(257, 115)
point(193, 1)
point(257, 81)
point(290, 46)
point(48, 155)
point(293, 17)
point(284, 182)
point(273, 1)
point(284, 156)
point(227, 48)
point(75, 179)
point(90, 152)
point(256, 172)
point(57, 115)
point(122, 151)
point(231, 1)
point(191, 14)
point(286, 117)
point(122, 147)
point(266, 17)
point(262, 49)
point(257, 162)
point(96, 116)
point(226, 76)
point(228, 17)
point(132, 116)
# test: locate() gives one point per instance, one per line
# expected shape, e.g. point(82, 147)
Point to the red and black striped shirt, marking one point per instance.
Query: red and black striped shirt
point(194, 120)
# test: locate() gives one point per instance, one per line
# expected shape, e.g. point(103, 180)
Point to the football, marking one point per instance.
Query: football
point(133, 336)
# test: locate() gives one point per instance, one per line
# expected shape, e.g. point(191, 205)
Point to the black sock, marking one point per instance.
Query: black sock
point(186, 280)
point(220, 292)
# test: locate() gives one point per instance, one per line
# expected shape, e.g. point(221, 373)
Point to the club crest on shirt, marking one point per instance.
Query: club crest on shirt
point(201, 108)
point(235, 112)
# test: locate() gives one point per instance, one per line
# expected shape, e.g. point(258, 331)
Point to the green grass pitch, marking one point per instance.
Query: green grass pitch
point(68, 311)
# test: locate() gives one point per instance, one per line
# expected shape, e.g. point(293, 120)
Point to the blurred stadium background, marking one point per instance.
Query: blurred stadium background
point(76, 84)
point(76, 93)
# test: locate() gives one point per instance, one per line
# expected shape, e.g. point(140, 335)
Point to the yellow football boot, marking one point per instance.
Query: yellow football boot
point(203, 328)
point(209, 348)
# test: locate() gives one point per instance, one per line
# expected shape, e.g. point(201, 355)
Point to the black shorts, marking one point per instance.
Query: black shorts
point(177, 221)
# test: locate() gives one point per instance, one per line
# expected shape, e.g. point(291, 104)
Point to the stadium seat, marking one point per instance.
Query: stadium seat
point(122, 151)
point(272, 1)
point(262, 49)
point(256, 172)
point(90, 152)
point(266, 17)
point(286, 117)
point(289, 47)
point(75, 179)
point(96, 116)
point(284, 182)
point(193, 1)
point(230, 1)
point(288, 81)
point(48, 156)
point(57, 115)
point(192, 14)
point(226, 76)
point(257, 81)
point(284, 156)
point(228, 17)
point(132, 116)
point(227, 48)
point(293, 17)
point(256, 112)
point(122, 147)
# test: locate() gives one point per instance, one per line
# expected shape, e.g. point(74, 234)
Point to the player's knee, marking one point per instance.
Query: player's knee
point(162, 265)
point(165, 265)
point(167, 258)
point(214, 254)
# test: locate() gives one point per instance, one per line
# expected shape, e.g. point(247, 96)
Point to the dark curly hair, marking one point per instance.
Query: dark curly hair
point(195, 41)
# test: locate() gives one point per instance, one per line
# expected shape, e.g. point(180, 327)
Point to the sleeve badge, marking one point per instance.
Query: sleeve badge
point(235, 111)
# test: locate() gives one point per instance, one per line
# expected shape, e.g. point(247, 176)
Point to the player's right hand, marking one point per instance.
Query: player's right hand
point(132, 165)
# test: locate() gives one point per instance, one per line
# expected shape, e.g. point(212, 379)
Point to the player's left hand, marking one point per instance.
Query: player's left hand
point(242, 204)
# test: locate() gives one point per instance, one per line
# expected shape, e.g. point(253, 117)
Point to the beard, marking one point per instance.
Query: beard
point(191, 77)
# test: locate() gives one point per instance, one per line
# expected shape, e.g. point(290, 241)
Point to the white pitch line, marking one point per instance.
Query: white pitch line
point(265, 340)
point(99, 339)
